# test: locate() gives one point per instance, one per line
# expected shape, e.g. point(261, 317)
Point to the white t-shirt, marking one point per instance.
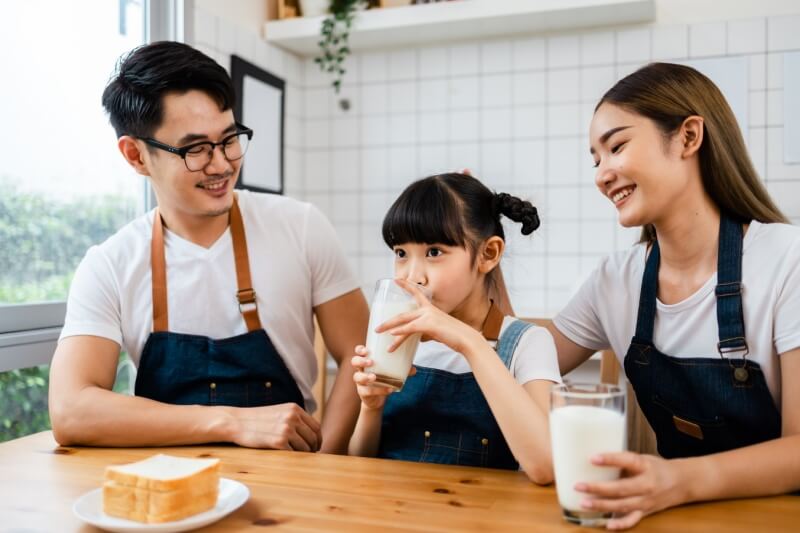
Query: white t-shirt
point(534, 358)
point(603, 312)
point(296, 263)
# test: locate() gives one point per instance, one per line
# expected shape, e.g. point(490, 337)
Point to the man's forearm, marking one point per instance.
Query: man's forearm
point(341, 412)
point(98, 417)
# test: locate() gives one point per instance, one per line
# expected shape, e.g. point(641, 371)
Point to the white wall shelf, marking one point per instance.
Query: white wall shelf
point(463, 20)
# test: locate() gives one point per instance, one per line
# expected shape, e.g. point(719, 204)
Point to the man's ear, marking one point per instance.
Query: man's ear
point(691, 135)
point(133, 152)
point(490, 254)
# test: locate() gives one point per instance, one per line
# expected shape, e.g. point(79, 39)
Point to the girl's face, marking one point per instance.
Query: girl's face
point(641, 172)
point(450, 272)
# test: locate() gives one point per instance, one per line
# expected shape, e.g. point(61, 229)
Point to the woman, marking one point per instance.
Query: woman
point(704, 311)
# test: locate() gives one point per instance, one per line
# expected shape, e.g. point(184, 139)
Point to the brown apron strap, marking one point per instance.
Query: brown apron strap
point(158, 269)
point(246, 295)
point(493, 323)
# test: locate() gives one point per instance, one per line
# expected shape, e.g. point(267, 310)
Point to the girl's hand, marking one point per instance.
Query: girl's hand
point(649, 484)
point(372, 396)
point(430, 321)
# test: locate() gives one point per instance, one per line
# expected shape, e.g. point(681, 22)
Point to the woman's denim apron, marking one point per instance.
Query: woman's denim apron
point(241, 371)
point(442, 417)
point(697, 405)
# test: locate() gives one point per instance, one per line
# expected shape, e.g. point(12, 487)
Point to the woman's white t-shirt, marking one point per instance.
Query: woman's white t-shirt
point(603, 313)
point(296, 263)
point(534, 358)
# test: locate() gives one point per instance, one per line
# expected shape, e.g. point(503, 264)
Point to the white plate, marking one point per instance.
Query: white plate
point(89, 508)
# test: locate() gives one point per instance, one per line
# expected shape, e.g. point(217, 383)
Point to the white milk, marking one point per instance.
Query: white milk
point(391, 368)
point(578, 432)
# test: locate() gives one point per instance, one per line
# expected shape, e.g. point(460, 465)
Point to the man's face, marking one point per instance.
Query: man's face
point(189, 118)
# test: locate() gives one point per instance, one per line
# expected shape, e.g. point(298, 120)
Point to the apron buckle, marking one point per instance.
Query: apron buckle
point(246, 297)
point(740, 373)
point(731, 288)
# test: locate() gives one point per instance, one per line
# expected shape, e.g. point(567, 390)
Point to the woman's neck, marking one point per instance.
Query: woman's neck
point(688, 241)
point(688, 237)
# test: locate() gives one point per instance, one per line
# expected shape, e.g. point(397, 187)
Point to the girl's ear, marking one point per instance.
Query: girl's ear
point(490, 254)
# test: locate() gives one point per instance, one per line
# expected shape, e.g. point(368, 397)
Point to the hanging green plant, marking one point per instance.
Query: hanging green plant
point(334, 43)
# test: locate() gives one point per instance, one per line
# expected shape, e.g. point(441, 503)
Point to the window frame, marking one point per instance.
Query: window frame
point(29, 332)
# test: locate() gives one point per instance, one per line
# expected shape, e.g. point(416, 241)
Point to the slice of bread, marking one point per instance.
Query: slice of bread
point(161, 488)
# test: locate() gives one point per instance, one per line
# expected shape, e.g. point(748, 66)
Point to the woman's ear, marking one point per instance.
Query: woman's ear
point(490, 254)
point(691, 135)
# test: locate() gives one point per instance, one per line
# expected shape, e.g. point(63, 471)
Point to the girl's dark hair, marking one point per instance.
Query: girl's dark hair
point(133, 96)
point(667, 94)
point(456, 210)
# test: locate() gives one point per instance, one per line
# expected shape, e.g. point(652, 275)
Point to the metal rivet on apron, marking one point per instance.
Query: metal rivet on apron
point(484, 441)
point(213, 386)
point(268, 384)
point(427, 434)
point(740, 374)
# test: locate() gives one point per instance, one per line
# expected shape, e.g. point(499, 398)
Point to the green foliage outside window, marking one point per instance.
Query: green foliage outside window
point(42, 241)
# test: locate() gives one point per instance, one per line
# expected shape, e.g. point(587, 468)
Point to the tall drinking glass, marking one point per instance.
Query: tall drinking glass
point(585, 420)
point(390, 300)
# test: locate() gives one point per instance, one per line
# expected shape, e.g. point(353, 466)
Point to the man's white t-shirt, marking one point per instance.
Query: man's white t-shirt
point(534, 358)
point(603, 313)
point(296, 263)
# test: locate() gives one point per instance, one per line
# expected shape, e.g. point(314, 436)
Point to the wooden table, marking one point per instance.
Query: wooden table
point(293, 491)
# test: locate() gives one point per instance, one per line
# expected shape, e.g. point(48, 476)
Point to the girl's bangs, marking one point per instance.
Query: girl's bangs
point(425, 213)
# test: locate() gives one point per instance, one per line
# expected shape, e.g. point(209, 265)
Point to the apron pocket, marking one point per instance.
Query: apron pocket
point(682, 433)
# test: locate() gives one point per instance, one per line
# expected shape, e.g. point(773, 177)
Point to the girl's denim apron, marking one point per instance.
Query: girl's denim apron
point(241, 371)
point(699, 406)
point(442, 417)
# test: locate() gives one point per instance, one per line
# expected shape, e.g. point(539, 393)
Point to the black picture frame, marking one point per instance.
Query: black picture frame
point(260, 105)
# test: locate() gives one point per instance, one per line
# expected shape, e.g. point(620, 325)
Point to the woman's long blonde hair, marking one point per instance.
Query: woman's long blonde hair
point(667, 94)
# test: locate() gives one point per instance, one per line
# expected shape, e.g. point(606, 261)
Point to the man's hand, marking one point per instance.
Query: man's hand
point(285, 427)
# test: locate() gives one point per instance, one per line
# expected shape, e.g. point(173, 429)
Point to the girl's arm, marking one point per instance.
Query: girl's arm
point(652, 484)
point(521, 411)
point(367, 434)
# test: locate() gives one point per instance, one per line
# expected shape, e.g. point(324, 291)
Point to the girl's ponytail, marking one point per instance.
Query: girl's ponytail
point(517, 210)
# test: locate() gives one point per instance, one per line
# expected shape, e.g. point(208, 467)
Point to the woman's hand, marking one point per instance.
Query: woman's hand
point(648, 484)
point(430, 321)
point(372, 396)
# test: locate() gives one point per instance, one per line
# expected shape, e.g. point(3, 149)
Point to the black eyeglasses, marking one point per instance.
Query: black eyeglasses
point(197, 156)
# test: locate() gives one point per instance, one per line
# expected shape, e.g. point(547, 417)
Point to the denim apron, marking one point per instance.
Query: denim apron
point(442, 417)
point(699, 406)
point(241, 371)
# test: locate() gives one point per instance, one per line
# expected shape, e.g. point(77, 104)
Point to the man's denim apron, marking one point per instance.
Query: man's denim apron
point(697, 405)
point(241, 371)
point(442, 417)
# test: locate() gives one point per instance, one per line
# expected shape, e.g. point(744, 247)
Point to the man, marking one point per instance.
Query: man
point(211, 294)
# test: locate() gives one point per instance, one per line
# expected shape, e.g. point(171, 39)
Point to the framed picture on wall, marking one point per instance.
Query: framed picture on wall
point(260, 107)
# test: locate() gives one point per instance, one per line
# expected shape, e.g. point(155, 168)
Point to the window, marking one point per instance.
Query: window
point(65, 185)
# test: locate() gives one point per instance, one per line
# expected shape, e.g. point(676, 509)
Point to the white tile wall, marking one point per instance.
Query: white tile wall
point(515, 111)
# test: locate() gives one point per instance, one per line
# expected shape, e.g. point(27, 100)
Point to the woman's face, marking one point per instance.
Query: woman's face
point(638, 169)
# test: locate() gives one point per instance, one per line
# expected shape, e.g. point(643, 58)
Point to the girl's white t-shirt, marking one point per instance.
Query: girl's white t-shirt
point(534, 358)
point(603, 313)
point(296, 263)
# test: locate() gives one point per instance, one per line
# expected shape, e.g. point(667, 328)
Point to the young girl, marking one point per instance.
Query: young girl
point(480, 393)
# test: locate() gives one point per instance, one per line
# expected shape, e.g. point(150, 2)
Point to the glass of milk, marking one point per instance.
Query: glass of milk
point(390, 300)
point(585, 420)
